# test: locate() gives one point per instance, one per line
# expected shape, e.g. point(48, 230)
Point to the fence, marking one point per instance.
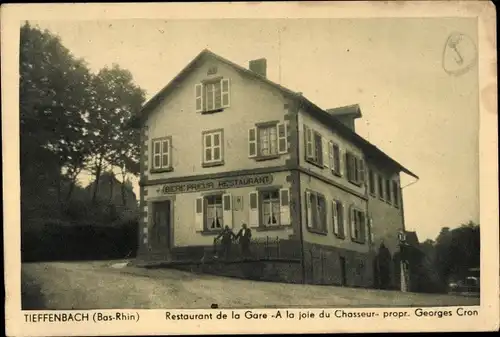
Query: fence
point(264, 248)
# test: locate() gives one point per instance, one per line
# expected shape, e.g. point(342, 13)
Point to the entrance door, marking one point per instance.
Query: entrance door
point(161, 225)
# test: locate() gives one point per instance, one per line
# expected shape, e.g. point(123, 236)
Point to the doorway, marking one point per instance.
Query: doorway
point(161, 225)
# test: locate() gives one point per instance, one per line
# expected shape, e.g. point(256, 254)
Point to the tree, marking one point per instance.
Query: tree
point(53, 93)
point(457, 250)
point(115, 100)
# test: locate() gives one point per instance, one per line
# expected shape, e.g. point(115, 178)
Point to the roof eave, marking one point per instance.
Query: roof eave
point(349, 133)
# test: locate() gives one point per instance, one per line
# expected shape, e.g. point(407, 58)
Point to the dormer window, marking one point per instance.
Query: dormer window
point(212, 95)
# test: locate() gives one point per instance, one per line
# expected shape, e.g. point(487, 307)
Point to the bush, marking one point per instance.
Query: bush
point(56, 240)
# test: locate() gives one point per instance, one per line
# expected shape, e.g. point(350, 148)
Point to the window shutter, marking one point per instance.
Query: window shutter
point(253, 209)
point(353, 223)
point(348, 166)
point(361, 168)
point(225, 91)
point(341, 163)
point(335, 218)
point(395, 193)
point(342, 225)
point(370, 230)
point(252, 142)
point(308, 210)
point(324, 147)
point(198, 214)
point(282, 138)
point(363, 223)
point(331, 159)
point(308, 136)
point(227, 210)
point(198, 94)
point(156, 154)
point(165, 153)
point(285, 206)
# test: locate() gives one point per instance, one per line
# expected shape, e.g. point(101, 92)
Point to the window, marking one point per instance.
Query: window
point(336, 159)
point(213, 212)
point(318, 148)
point(314, 146)
point(388, 191)
point(212, 95)
point(338, 219)
point(371, 181)
point(269, 208)
point(381, 187)
point(316, 212)
point(213, 147)
point(162, 153)
point(355, 168)
point(358, 225)
point(395, 193)
point(214, 219)
point(268, 140)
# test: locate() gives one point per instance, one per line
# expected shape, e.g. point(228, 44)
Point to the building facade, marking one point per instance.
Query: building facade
point(222, 145)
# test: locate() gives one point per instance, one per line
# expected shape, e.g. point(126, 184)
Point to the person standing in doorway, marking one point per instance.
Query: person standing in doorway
point(226, 236)
point(244, 235)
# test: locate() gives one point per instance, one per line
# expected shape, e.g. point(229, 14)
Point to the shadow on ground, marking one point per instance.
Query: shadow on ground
point(31, 294)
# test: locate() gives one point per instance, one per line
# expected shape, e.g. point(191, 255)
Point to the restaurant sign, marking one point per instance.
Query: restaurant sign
point(217, 184)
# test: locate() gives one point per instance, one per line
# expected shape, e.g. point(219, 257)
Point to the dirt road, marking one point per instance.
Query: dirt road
point(98, 285)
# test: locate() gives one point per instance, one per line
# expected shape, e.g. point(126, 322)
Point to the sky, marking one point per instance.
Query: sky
point(414, 110)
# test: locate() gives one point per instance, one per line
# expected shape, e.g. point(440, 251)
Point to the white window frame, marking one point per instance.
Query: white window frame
point(219, 216)
point(315, 144)
point(270, 202)
point(213, 147)
point(270, 141)
point(165, 150)
point(279, 144)
point(201, 93)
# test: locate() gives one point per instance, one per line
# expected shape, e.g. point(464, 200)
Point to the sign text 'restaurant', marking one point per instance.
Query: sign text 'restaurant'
point(216, 184)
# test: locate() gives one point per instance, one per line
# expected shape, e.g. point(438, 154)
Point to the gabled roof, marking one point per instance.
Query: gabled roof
point(370, 150)
point(412, 238)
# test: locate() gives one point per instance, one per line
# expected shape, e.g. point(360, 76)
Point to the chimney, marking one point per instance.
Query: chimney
point(347, 115)
point(258, 66)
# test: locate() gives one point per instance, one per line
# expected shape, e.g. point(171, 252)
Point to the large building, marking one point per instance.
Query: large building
point(222, 145)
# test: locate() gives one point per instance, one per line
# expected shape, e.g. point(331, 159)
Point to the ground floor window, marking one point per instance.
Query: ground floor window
point(269, 208)
point(214, 218)
point(316, 211)
point(213, 212)
point(358, 225)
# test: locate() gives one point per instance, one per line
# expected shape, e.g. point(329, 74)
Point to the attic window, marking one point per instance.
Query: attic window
point(212, 95)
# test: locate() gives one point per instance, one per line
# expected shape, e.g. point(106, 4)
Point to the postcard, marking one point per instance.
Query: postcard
point(231, 168)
